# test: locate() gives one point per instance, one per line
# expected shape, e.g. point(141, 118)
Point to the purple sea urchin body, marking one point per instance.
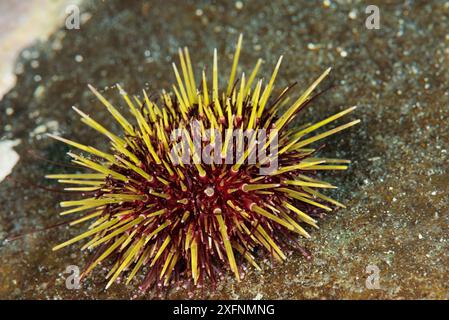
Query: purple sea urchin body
point(195, 216)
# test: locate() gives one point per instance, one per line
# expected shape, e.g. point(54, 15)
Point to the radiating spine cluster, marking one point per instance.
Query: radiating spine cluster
point(150, 210)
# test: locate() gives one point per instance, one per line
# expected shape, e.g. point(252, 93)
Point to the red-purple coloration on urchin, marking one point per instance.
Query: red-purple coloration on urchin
point(181, 219)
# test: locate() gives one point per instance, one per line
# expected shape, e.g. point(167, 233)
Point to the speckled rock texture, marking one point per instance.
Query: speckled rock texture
point(396, 190)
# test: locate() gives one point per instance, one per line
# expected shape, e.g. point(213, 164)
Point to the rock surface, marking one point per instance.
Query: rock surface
point(396, 190)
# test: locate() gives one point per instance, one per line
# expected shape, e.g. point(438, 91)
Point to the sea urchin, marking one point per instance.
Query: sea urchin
point(154, 209)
